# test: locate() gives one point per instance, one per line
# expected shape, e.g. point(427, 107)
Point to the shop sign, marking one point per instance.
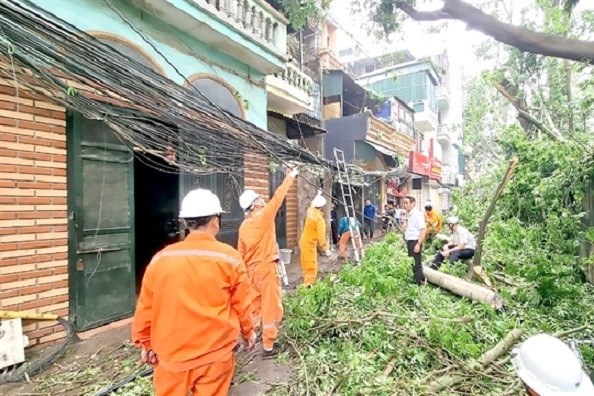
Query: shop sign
point(435, 172)
point(419, 164)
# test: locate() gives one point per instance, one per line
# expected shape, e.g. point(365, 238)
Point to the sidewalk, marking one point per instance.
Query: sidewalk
point(105, 355)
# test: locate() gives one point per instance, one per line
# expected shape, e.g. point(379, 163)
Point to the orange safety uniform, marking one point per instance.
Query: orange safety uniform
point(344, 240)
point(258, 247)
point(433, 221)
point(314, 234)
point(190, 311)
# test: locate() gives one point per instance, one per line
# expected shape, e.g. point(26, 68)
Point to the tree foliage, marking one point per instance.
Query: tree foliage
point(388, 16)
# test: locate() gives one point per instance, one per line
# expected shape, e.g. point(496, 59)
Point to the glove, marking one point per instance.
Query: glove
point(328, 253)
point(294, 172)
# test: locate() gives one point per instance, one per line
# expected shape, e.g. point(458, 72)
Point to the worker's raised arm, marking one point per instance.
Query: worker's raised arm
point(270, 210)
point(142, 323)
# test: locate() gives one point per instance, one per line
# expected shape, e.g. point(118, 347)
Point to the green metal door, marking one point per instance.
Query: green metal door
point(276, 179)
point(100, 224)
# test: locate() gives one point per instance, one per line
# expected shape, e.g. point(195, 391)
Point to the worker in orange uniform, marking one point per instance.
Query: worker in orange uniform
point(432, 220)
point(314, 234)
point(258, 247)
point(345, 227)
point(191, 307)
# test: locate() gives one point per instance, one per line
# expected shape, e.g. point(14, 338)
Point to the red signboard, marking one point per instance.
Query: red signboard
point(435, 172)
point(419, 164)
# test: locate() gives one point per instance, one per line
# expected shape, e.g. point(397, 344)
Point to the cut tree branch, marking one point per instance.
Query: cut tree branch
point(485, 360)
point(524, 39)
point(476, 261)
point(528, 117)
point(523, 116)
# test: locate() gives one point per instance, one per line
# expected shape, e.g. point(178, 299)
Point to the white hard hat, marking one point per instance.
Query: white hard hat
point(318, 201)
point(428, 203)
point(550, 368)
point(247, 199)
point(200, 203)
point(453, 220)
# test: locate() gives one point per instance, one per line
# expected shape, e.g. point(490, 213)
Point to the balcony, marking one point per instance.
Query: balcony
point(444, 135)
point(289, 92)
point(249, 30)
point(329, 61)
point(425, 116)
point(443, 96)
point(378, 132)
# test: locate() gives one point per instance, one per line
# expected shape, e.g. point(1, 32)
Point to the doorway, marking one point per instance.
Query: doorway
point(101, 243)
point(156, 201)
point(122, 209)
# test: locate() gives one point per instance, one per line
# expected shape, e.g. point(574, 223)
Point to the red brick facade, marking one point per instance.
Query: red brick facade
point(256, 174)
point(33, 219)
point(292, 217)
point(33, 209)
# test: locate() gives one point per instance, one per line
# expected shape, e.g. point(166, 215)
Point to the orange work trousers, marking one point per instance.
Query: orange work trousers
point(309, 263)
point(344, 240)
point(266, 300)
point(210, 379)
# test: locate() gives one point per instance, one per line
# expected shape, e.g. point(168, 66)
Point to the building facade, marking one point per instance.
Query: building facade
point(436, 165)
point(84, 210)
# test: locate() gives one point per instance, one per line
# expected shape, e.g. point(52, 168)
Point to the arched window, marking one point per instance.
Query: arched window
point(219, 92)
point(128, 48)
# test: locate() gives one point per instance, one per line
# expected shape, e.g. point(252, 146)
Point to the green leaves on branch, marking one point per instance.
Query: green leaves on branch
point(300, 11)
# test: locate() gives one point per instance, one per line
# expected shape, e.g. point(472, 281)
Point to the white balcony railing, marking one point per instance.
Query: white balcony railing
point(296, 78)
point(255, 17)
point(290, 91)
point(329, 61)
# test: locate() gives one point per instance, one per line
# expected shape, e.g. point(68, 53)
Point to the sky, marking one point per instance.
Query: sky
point(459, 41)
point(453, 36)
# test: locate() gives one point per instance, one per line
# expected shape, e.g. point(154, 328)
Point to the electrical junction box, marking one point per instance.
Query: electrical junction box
point(12, 342)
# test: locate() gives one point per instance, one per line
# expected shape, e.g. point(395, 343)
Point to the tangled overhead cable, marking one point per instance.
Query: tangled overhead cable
point(55, 60)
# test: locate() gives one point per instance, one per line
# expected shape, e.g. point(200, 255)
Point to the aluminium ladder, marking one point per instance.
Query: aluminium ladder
point(347, 201)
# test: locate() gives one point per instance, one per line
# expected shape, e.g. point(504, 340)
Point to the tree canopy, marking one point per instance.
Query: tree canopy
point(389, 14)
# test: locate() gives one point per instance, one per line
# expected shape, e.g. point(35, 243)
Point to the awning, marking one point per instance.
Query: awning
point(382, 149)
point(389, 155)
point(297, 129)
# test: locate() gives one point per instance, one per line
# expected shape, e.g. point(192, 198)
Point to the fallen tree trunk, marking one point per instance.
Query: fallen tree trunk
point(463, 288)
point(486, 359)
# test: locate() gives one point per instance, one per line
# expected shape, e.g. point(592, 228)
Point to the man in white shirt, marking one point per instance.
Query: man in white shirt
point(414, 235)
point(460, 247)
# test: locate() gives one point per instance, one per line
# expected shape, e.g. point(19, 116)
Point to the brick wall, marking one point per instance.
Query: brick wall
point(292, 216)
point(33, 220)
point(256, 174)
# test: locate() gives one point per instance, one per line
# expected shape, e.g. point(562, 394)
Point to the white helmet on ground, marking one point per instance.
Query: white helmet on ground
point(318, 201)
point(247, 199)
point(550, 368)
point(453, 220)
point(200, 203)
